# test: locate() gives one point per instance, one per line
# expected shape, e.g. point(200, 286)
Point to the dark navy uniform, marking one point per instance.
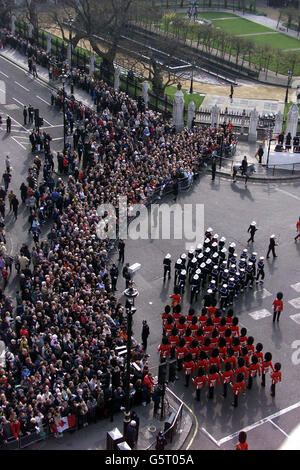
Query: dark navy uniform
point(223, 296)
point(195, 287)
point(231, 290)
point(260, 270)
point(167, 266)
point(249, 275)
point(178, 268)
point(252, 229)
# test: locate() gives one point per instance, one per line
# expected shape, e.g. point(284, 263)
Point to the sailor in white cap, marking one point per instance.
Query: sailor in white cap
point(181, 280)
point(208, 233)
point(167, 266)
point(223, 291)
point(272, 245)
point(183, 257)
point(195, 287)
point(249, 275)
point(252, 229)
point(178, 268)
point(222, 243)
point(260, 270)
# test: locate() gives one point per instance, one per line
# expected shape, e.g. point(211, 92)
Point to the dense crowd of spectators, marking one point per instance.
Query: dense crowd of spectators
point(61, 354)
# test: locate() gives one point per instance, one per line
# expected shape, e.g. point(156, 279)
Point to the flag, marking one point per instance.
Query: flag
point(66, 423)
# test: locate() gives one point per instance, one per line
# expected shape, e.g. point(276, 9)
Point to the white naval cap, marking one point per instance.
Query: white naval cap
point(225, 285)
point(199, 246)
point(261, 258)
point(212, 281)
point(224, 250)
point(253, 223)
point(254, 253)
point(222, 239)
point(209, 229)
point(194, 260)
point(196, 277)
point(272, 236)
point(209, 291)
point(215, 266)
point(202, 265)
point(250, 264)
point(232, 245)
point(231, 279)
point(179, 261)
point(226, 271)
point(208, 261)
point(207, 250)
point(245, 250)
point(207, 240)
point(216, 235)
point(198, 271)
point(183, 272)
point(168, 256)
point(183, 256)
point(215, 255)
point(214, 244)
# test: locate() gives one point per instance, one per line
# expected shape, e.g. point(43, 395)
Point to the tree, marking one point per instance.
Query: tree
point(6, 8)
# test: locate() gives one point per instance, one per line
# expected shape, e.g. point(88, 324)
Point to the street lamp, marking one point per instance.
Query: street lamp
point(70, 23)
point(290, 74)
point(192, 80)
point(63, 81)
point(130, 293)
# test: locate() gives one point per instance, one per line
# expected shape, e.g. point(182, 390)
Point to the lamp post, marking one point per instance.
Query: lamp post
point(290, 74)
point(130, 293)
point(70, 23)
point(63, 81)
point(192, 80)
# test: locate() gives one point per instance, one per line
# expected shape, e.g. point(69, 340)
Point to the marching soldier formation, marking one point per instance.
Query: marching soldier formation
point(211, 349)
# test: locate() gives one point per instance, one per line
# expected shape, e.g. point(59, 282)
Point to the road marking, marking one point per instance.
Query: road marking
point(296, 286)
point(20, 124)
point(42, 99)
point(21, 145)
point(296, 318)
point(4, 74)
point(295, 302)
point(48, 122)
point(288, 194)
point(259, 314)
point(261, 294)
point(196, 427)
point(259, 423)
point(15, 99)
point(210, 437)
point(17, 83)
point(276, 426)
point(58, 138)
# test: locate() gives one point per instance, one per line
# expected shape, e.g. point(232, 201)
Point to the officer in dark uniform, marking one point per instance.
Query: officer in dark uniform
point(182, 280)
point(191, 268)
point(231, 249)
point(25, 114)
point(231, 290)
point(208, 298)
point(222, 254)
point(252, 259)
point(199, 249)
point(222, 243)
point(215, 273)
point(183, 258)
point(272, 245)
point(114, 274)
point(167, 266)
point(223, 291)
point(208, 233)
point(252, 229)
point(249, 275)
point(242, 279)
point(178, 268)
point(145, 334)
point(260, 270)
point(195, 287)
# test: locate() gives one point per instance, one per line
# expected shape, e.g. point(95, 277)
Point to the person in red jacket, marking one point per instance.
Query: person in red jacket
point(277, 306)
point(242, 444)
point(176, 298)
point(230, 358)
point(181, 326)
point(173, 341)
point(243, 337)
point(222, 348)
point(245, 355)
point(298, 229)
point(212, 380)
point(253, 370)
point(165, 315)
point(215, 359)
point(203, 361)
point(241, 369)
point(227, 378)
point(276, 377)
point(250, 346)
point(266, 366)
point(235, 327)
point(237, 388)
point(169, 325)
point(189, 368)
point(194, 326)
point(258, 352)
point(200, 336)
point(15, 427)
point(222, 327)
point(200, 382)
point(177, 314)
point(181, 352)
point(164, 349)
point(194, 349)
point(203, 317)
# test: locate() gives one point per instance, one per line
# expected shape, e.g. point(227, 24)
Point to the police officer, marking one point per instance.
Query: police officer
point(260, 270)
point(167, 266)
point(252, 229)
point(272, 245)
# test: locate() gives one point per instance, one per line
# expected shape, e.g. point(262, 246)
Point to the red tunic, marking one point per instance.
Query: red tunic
point(189, 367)
point(254, 369)
point(164, 350)
point(276, 377)
point(241, 370)
point(266, 367)
point(213, 379)
point(227, 377)
point(238, 387)
point(200, 382)
point(181, 352)
point(202, 363)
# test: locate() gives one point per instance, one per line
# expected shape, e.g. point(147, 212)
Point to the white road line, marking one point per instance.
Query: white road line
point(42, 99)
point(281, 430)
point(58, 138)
point(20, 124)
point(21, 145)
point(259, 423)
point(17, 83)
point(288, 194)
point(210, 437)
point(15, 99)
point(4, 74)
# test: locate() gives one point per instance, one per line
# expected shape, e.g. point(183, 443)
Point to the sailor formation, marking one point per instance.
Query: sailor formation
point(215, 271)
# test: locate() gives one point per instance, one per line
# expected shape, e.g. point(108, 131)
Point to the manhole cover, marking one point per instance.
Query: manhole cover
point(151, 428)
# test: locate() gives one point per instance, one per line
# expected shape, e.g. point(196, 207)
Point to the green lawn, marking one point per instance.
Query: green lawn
point(171, 90)
point(277, 40)
point(211, 15)
point(240, 26)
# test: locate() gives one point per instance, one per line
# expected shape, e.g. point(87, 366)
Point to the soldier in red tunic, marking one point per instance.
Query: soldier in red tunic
point(266, 366)
point(276, 377)
point(237, 388)
point(253, 370)
point(164, 349)
point(189, 368)
point(181, 352)
point(227, 377)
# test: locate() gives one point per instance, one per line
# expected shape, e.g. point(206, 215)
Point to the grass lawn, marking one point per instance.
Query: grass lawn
point(240, 26)
point(211, 15)
point(277, 40)
point(171, 90)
